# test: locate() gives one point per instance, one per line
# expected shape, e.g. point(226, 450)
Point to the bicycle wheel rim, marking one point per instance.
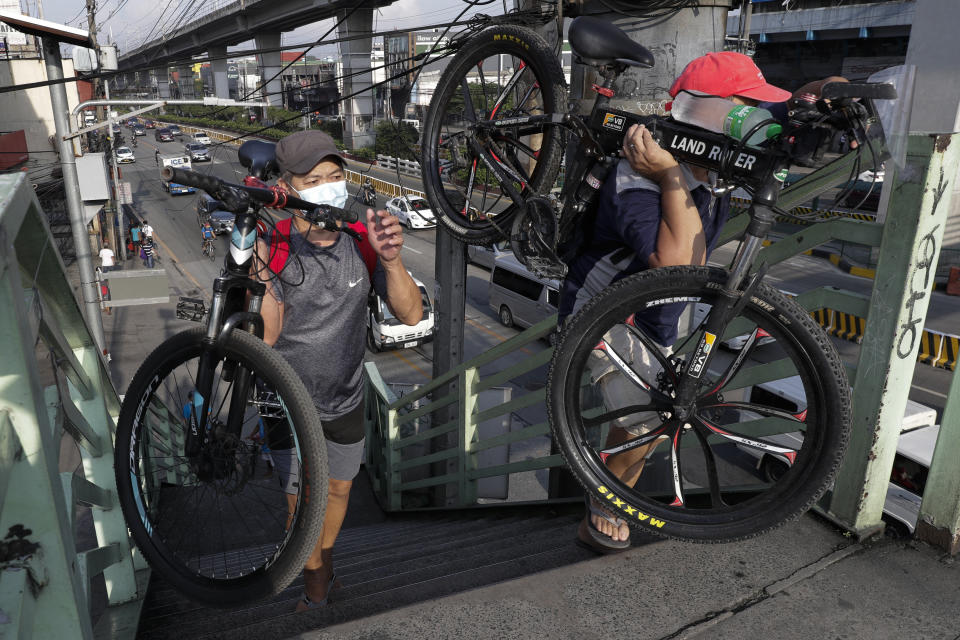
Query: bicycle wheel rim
point(509, 72)
point(704, 496)
point(215, 526)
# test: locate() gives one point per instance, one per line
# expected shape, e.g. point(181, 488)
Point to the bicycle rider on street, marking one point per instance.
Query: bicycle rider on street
point(207, 234)
point(369, 192)
point(654, 212)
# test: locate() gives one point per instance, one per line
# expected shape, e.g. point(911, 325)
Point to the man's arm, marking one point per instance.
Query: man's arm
point(680, 237)
point(386, 237)
point(403, 295)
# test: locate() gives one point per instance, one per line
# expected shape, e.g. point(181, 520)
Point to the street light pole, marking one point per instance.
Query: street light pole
point(88, 287)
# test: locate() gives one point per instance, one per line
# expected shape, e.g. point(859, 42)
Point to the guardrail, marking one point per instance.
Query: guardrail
point(56, 386)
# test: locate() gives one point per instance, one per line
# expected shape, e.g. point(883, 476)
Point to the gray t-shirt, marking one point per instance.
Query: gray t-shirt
point(324, 320)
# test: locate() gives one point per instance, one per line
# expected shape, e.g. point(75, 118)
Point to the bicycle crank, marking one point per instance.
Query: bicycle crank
point(533, 239)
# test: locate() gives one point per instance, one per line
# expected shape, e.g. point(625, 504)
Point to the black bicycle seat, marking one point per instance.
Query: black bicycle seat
point(599, 43)
point(259, 158)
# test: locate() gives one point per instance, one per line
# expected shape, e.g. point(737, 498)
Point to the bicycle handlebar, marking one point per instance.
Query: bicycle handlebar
point(236, 196)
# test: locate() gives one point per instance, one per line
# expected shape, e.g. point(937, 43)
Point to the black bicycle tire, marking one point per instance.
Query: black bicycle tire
point(263, 582)
point(827, 445)
point(505, 39)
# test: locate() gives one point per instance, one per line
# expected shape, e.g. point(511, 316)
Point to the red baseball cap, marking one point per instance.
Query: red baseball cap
point(725, 74)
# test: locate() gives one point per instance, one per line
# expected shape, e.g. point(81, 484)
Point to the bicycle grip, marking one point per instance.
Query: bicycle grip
point(210, 184)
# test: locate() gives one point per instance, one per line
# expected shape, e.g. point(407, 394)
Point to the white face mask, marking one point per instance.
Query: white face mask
point(332, 193)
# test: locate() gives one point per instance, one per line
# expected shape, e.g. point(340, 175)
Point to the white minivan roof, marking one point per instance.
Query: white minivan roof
point(917, 445)
point(510, 263)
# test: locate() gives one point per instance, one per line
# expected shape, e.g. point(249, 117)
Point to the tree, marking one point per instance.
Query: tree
point(396, 139)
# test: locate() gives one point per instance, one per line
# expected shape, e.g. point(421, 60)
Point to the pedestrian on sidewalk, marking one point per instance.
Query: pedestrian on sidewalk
point(104, 291)
point(146, 230)
point(148, 251)
point(135, 236)
point(156, 156)
point(106, 257)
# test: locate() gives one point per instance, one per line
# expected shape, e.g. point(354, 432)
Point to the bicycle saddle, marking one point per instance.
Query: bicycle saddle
point(599, 43)
point(259, 158)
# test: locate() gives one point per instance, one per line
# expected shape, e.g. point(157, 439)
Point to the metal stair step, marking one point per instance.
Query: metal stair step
point(468, 552)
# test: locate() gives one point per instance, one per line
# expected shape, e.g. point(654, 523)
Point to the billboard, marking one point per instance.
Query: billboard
point(8, 33)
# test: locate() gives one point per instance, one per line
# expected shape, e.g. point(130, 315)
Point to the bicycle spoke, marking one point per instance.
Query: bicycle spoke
point(763, 410)
point(469, 111)
point(675, 468)
point(734, 366)
point(511, 83)
point(788, 453)
point(651, 347)
point(633, 443)
point(622, 412)
point(628, 371)
point(713, 476)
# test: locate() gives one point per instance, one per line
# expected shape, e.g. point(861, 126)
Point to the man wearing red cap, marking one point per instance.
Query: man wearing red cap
point(315, 317)
point(654, 212)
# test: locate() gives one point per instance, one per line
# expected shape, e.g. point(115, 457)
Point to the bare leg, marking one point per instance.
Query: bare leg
point(319, 567)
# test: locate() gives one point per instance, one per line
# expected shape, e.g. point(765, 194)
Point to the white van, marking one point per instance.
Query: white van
point(518, 296)
point(788, 394)
point(918, 437)
point(385, 331)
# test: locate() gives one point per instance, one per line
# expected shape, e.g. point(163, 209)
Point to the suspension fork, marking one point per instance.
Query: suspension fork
point(734, 294)
point(226, 314)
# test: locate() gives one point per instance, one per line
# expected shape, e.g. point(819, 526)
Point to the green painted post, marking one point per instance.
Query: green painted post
point(939, 521)
point(908, 258)
point(391, 455)
point(39, 504)
point(110, 525)
point(467, 418)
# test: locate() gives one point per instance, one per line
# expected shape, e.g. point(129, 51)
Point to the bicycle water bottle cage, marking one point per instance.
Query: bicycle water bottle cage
point(600, 43)
point(259, 158)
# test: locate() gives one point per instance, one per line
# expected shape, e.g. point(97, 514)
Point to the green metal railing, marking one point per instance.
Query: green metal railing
point(54, 381)
point(394, 424)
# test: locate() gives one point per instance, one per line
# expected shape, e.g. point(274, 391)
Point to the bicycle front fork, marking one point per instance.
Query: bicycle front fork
point(734, 294)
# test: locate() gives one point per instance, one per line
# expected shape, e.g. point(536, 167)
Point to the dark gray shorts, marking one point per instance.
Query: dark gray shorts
point(343, 460)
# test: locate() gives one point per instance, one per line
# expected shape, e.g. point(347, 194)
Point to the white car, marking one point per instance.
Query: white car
point(124, 154)
point(412, 211)
point(201, 137)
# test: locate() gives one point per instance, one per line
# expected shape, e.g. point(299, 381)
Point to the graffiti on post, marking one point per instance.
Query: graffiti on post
point(910, 329)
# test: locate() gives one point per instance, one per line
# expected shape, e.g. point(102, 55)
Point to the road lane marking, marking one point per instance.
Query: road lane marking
point(409, 248)
point(493, 333)
point(411, 364)
point(183, 270)
point(930, 391)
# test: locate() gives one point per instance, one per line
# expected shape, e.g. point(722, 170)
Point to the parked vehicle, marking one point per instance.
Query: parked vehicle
point(163, 135)
point(485, 256)
point(197, 152)
point(180, 162)
point(125, 155)
point(518, 296)
point(209, 208)
point(914, 451)
point(175, 130)
point(385, 331)
point(202, 138)
point(413, 211)
point(89, 118)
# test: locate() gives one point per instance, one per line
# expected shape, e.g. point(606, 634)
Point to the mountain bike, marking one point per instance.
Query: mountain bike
point(200, 510)
point(656, 433)
point(209, 249)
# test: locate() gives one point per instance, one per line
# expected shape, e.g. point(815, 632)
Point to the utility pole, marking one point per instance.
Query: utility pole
point(112, 209)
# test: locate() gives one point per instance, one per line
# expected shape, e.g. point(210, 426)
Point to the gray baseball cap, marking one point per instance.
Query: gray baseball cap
point(300, 152)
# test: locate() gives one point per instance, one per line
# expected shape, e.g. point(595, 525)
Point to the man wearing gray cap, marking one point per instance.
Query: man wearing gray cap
point(315, 316)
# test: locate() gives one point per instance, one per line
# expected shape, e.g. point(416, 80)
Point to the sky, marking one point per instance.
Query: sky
point(131, 21)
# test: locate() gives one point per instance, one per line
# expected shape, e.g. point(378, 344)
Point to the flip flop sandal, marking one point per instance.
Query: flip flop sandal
point(316, 604)
point(599, 541)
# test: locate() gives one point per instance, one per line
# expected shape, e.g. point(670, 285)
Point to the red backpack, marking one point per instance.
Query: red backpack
point(280, 246)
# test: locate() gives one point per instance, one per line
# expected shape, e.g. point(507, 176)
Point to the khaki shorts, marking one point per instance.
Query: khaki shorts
point(616, 388)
